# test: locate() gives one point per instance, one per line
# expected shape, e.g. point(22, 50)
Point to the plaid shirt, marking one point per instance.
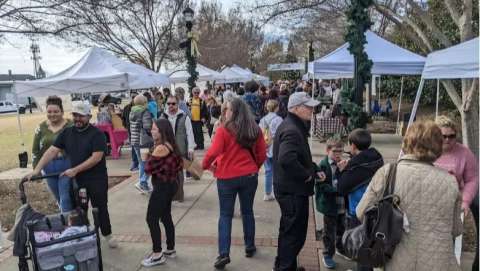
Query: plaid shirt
point(164, 169)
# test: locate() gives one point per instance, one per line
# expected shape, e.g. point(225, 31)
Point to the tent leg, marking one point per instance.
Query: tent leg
point(399, 109)
point(438, 97)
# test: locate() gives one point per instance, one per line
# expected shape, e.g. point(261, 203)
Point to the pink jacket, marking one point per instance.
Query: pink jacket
point(461, 163)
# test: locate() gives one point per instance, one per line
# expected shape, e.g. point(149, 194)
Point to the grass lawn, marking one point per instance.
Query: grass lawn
point(11, 140)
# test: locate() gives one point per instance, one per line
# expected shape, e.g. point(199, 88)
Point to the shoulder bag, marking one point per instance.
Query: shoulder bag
point(373, 242)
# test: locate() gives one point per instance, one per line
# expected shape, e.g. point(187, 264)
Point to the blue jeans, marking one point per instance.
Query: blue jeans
point(60, 186)
point(134, 159)
point(268, 175)
point(245, 187)
point(143, 177)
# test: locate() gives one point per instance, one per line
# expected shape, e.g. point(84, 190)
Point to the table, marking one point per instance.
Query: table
point(324, 127)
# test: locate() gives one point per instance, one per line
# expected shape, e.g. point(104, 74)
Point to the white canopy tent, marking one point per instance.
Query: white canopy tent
point(97, 71)
point(456, 62)
point(249, 74)
point(387, 58)
point(204, 74)
point(231, 76)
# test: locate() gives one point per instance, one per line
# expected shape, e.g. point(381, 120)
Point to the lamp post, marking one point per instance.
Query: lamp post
point(191, 51)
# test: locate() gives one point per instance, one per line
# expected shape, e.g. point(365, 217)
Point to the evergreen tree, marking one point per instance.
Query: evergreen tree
point(290, 57)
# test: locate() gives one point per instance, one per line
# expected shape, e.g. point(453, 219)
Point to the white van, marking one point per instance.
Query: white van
point(6, 106)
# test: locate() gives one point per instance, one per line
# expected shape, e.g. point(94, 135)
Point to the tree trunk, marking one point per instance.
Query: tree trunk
point(470, 115)
point(470, 129)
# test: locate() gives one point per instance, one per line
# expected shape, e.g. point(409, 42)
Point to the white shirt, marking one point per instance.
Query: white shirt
point(188, 125)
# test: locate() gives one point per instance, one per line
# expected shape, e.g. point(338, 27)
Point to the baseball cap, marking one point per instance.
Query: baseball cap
point(301, 98)
point(81, 108)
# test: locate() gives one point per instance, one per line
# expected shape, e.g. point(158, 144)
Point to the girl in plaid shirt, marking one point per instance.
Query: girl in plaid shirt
point(163, 164)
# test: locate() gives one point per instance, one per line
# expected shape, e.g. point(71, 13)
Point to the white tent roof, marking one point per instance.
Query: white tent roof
point(97, 71)
point(459, 61)
point(231, 76)
point(387, 58)
point(204, 74)
point(244, 72)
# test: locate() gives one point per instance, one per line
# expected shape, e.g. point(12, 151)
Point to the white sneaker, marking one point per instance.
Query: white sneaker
point(170, 253)
point(112, 243)
point(150, 261)
point(267, 197)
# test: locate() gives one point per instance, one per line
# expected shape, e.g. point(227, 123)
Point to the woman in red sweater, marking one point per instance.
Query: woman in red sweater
point(237, 152)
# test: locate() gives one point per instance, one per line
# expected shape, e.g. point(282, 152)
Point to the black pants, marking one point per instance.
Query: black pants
point(198, 133)
point(474, 210)
point(293, 230)
point(97, 193)
point(352, 222)
point(333, 229)
point(160, 208)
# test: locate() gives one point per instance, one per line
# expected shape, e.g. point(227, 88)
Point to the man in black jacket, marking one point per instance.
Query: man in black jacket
point(357, 173)
point(293, 179)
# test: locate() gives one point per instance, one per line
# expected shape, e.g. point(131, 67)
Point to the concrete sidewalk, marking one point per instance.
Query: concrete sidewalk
point(196, 225)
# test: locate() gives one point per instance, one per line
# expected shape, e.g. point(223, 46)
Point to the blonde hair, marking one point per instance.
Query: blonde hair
point(446, 122)
point(423, 140)
point(140, 100)
point(272, 105)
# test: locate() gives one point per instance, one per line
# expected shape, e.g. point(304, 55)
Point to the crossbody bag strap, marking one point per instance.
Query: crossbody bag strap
point(390, 185)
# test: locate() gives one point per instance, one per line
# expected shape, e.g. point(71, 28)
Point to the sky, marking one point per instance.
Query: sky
point(55, 55)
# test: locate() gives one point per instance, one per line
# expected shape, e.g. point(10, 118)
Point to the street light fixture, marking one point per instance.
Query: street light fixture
point(191, 51)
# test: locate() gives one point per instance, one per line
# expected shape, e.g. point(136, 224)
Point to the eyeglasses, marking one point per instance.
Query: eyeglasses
point(196, 93)
point(171, 103)
point(451, 136)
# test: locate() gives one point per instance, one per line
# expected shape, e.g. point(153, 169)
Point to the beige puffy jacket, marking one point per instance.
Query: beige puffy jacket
point(430, 198)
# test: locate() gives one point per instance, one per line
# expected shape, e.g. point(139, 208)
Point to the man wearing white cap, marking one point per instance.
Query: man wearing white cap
point(293, 178)
point(85, 146)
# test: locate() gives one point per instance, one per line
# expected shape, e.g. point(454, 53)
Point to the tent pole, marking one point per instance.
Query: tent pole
point(399, 109)
point(438, 97)
point(379, 88)
point(417, 101)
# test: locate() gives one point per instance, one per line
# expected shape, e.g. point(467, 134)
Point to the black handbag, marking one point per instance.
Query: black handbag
point(373, 242)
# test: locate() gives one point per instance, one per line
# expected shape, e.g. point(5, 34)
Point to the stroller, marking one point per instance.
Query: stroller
point(36, 237)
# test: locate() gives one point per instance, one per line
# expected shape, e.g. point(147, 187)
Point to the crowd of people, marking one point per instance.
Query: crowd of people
point(251, 127)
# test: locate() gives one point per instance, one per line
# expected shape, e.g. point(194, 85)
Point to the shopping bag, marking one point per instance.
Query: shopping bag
point(194, 167)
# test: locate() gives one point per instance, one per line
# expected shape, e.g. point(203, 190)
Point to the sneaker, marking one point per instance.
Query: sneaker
point(268, 197)
point(342, 254)
point(150, 261)
point(249, 252)
point(221, 261)
point(170, 253)
point(143, 188)
point(112, 243)
point(328, 262)
point(133, 169)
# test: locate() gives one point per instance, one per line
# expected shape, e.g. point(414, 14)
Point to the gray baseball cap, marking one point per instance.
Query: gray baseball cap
point(301, 98)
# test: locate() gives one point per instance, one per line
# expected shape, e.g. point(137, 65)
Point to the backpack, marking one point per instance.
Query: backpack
point(267, 133)
point(355, 196)
point(373, 242)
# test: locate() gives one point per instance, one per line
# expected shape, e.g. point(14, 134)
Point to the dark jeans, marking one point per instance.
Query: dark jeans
point(97, 193)
point(160, 208)
point(293, 230)
point(333, 229)
point(134, 158)
point(352, 222)
point(245, 187)
point(198, 133)
point(474, 210)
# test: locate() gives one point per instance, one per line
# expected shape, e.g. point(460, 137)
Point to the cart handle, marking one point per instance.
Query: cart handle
point(21, 185)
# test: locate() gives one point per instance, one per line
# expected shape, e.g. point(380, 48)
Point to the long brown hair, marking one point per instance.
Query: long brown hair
point(167, 136)
point(242, 124)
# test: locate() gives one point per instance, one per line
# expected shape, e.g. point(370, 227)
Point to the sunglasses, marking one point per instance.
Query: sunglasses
point(171, 103)
point(451, 136)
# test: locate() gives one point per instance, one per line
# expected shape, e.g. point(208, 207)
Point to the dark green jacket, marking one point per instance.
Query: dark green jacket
point(325, 193)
